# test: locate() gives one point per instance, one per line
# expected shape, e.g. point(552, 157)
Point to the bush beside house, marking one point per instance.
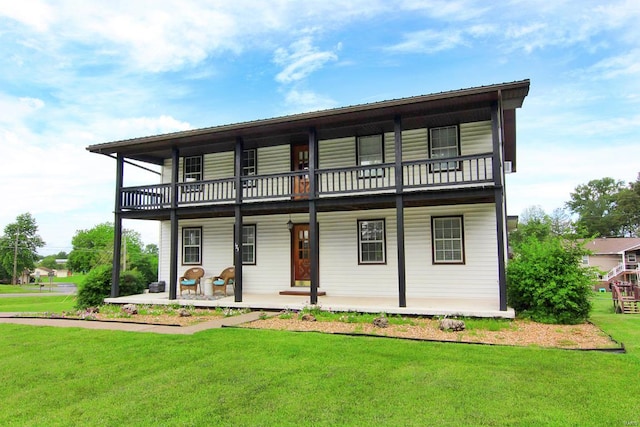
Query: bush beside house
point(97, 285)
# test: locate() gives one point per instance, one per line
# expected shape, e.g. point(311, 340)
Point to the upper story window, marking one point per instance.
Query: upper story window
point(632, 257)
point(370, 151)
point(444, 143)
point(192, 245)
point(371, 242)
point(249, 166)
point(192, 168)
point(249, 162)
point(447, 240)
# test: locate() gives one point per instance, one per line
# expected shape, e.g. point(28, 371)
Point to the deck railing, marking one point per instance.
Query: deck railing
point(426, 174)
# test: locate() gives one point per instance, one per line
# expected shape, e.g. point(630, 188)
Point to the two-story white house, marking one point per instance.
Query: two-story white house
point(401, 199)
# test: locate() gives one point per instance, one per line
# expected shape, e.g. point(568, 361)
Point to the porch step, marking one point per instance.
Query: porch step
point(302, 293)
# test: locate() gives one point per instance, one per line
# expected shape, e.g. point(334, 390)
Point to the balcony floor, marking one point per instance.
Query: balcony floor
point(275, 302)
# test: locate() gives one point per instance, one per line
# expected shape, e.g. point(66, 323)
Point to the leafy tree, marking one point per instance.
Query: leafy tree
point(91, 248)
point(628, 208)
point(19, 244)
point(50, 262)
point(94, 247)
point(533, 222)
point(595, 204)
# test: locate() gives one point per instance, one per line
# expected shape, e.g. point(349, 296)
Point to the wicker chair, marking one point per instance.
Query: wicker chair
point(227, 277)
point(191, 279)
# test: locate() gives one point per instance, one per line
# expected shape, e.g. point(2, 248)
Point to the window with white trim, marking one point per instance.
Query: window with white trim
point(192, 245)
point(249, 244)
point(192, 172)
point(370, 151)
point(631, 257)
point(443, 143)
point(249, 166)
point(447, 240)
point(192, 168)
point(371, 241)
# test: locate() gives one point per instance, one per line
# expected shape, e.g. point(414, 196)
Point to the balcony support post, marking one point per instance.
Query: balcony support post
point(237, 231)
point(117, 228)
point(314, 243)
point(402, 280)
point(173, 253)
point(499, 199)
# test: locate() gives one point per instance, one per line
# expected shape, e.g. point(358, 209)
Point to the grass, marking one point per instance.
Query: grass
point(38, 304)
point(67, 376)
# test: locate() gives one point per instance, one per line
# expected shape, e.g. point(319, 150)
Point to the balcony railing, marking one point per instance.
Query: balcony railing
point(462, 171)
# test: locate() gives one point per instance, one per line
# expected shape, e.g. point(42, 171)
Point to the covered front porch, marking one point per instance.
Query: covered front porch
point(470, 307)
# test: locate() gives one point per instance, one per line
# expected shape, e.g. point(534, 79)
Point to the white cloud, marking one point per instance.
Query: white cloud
point(301, 59)
point(430, 41)
point(304, 101)
point(626, 64)
point(32, 13)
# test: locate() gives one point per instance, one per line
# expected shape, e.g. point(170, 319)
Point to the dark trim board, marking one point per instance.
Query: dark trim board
point(302, 293)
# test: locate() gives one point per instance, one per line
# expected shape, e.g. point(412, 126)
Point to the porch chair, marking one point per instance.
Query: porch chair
point(191, 279)
point(227, 277)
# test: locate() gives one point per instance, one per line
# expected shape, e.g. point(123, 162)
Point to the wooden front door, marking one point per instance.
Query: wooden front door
point(300, 161)
point(300, 247)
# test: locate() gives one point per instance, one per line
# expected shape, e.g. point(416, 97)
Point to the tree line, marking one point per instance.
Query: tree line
point(91, 248)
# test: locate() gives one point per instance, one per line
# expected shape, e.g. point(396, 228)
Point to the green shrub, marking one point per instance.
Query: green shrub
point(97, 285)
point(546, 282)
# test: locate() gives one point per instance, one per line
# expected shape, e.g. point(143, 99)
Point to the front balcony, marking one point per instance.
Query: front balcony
point(462, 172)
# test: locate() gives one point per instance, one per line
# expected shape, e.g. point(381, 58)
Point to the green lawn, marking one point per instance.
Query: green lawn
point(38, 304)
point(67, 376)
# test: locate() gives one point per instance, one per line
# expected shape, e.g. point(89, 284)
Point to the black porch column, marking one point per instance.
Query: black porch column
point(499, 198)
point(117, 229)
point(314, 243)
point(237, 230)
point(402, 280)
point(173, 254)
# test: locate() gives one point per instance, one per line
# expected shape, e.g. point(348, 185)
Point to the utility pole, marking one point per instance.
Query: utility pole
point(15, 257)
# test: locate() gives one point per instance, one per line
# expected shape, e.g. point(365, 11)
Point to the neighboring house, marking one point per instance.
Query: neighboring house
point(616, 257)
point(42, 273)
point(402, 198)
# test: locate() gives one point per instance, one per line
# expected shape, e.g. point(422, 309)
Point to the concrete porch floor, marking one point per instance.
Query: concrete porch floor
point(276, 302)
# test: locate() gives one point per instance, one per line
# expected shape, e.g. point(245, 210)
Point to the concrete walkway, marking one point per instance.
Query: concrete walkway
point(133, 327)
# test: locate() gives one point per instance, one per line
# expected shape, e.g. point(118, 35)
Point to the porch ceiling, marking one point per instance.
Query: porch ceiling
point(443, 108)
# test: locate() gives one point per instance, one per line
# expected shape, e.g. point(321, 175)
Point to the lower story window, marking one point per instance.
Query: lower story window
point(447, 240)
point(249, 244)
point(192, 245)
point(371, 242)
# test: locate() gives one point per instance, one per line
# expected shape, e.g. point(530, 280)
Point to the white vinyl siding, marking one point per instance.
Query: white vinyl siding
point(340, 272)
point(475, 138)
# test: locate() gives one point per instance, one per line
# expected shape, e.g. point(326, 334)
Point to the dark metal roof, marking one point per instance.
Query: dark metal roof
point(417, 111)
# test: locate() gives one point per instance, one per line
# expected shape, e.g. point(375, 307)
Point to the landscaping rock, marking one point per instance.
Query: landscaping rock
point(184, 313)
point(130, 308)
point(452, 325)
point(307, 317)
point(381, 322)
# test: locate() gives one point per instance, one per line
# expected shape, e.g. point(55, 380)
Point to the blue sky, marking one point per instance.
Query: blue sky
point(74, 74)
